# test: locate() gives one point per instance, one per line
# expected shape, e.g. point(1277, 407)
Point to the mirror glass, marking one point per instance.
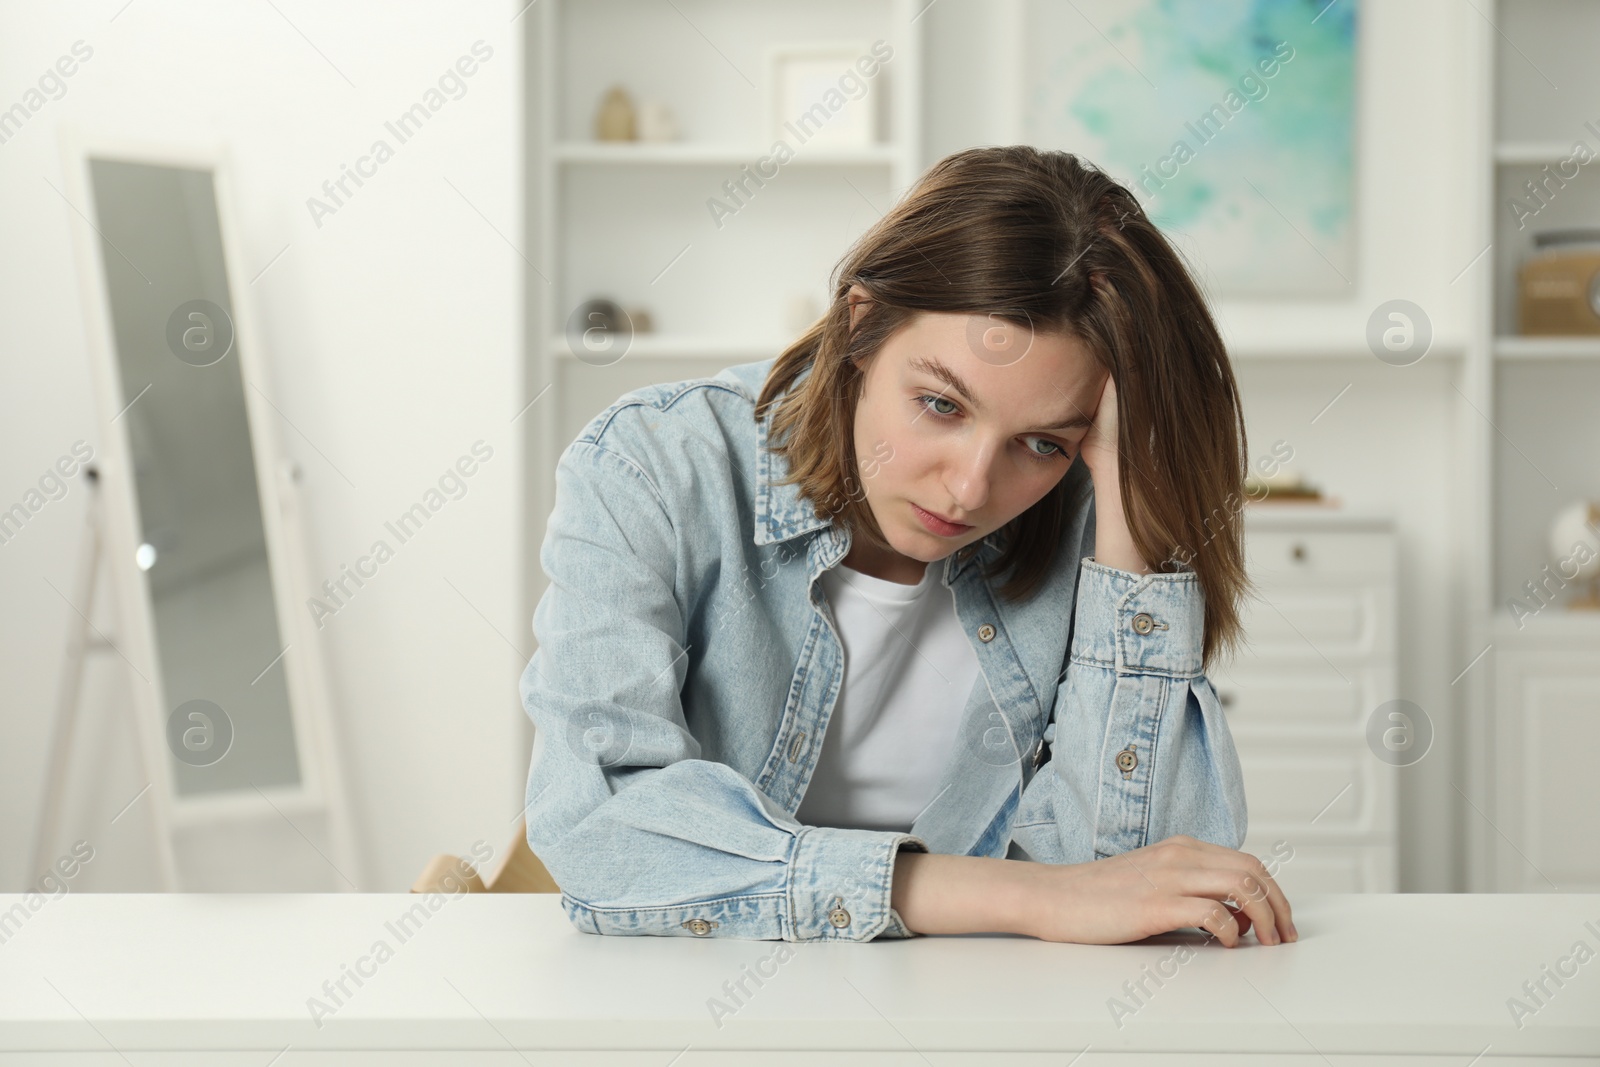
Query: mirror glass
point(201, 545)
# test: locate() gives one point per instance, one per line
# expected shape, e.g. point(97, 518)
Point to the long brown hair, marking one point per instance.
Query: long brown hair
point(1046, 240)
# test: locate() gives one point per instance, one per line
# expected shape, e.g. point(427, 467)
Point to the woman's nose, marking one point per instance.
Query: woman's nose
point(969, 479)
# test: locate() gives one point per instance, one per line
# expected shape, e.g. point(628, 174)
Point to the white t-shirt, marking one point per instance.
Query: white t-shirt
point(908, 672)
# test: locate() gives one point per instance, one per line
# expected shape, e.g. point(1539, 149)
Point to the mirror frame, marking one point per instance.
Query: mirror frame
point(321, 788)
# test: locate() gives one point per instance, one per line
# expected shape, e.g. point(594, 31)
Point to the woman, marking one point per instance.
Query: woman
point(903, 631)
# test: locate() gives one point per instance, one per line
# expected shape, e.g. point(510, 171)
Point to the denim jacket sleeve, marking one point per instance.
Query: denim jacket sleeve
point(1140, 749)
point(642, 834)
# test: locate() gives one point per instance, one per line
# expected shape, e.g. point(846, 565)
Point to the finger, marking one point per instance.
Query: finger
point(1107, 388)
point(1208, 914)
point(1233, 859)
point(1261, 885)
point(1240, 917)
point(1230, 884)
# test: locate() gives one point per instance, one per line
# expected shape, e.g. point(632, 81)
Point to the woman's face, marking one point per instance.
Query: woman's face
point(969, 418)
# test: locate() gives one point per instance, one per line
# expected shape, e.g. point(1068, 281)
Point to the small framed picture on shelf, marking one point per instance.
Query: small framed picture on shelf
point(817, 96)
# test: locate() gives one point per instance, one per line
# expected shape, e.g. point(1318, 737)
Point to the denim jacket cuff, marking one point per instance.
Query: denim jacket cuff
point(840, 882)
point(896, 926)
point(1139, 624)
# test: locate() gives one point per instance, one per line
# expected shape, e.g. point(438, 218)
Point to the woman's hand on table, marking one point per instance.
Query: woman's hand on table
point(1174, 883)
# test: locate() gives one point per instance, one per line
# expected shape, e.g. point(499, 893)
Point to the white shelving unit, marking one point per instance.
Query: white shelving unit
point(1534, 698)
point(631, 221)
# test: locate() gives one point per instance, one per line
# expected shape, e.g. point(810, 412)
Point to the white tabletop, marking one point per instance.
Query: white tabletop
point(1371, 974)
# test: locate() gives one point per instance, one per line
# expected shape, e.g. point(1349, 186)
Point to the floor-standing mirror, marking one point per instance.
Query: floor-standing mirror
point(202, 532)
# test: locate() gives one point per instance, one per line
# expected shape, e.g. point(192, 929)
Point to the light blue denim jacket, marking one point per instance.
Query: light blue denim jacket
point(688, 662)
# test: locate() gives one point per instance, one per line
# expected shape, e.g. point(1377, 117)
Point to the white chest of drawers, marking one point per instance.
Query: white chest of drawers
point(1317, 664)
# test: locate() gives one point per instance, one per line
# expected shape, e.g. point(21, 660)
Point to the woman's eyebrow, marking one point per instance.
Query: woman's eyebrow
point(949, 377)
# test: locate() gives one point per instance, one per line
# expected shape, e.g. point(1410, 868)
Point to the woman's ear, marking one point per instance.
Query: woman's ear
point(859, 299)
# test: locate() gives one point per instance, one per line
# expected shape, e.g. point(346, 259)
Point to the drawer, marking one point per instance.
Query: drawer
point(1330, 622)
point(1327, 556)
point(1324, 786)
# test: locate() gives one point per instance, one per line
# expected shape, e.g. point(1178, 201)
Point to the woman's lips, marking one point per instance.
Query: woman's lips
point(935, 524)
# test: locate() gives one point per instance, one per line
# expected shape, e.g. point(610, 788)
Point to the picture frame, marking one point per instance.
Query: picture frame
point(808, 95)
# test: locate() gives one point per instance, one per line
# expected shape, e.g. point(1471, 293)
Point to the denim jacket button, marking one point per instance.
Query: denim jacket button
point(986, 633)
point(1127, 760)
point(1143, 623)
point(838, 916)
point(699, 927)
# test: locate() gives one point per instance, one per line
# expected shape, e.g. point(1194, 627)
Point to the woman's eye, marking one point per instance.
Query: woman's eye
point(1042, 457)
point(927, 400)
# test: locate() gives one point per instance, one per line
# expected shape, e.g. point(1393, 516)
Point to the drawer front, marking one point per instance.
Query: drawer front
point(1324, 556)
point(1319, 622)
point(1330, 787)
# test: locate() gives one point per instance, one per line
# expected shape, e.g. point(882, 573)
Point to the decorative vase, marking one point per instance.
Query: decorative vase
point(614, 121)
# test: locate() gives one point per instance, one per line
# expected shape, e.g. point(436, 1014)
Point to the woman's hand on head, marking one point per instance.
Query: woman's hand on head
point(1099, 445)
point(1175, 883)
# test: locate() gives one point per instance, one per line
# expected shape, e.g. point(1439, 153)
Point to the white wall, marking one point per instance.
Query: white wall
point(393, 338)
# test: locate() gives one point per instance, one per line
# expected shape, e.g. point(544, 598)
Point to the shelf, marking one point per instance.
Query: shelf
point(1553, 629)
point(688, 346)
point(1509, 346)
point(1531, 153)
point(687, 153)
point(1287, 348)
point(1262, 330)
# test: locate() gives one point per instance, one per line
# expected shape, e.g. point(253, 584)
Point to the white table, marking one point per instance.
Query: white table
point(151, 979)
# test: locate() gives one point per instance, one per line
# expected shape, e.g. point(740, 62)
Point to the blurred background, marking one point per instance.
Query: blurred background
point(299, 303)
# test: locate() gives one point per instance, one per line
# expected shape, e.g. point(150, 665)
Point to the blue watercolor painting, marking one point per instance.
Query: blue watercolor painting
point(1233, 122)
